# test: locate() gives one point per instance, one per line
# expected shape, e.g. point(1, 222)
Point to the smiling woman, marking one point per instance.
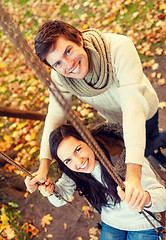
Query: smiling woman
point(83, 172)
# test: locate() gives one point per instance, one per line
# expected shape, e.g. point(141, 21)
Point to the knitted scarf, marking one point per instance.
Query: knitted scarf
point(99, 76)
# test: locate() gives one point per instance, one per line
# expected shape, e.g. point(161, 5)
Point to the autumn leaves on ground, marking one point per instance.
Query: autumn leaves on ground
point(142, 21)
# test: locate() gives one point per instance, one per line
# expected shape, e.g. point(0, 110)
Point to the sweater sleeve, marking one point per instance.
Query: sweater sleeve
point(156, 190)
point(55, 116)
point(134, 105)
point(66, 187)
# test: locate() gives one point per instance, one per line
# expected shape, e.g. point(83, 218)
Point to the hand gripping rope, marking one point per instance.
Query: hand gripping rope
point(21, 44)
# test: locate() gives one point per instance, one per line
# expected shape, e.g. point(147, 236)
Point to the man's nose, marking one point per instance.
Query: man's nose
point(69, 63)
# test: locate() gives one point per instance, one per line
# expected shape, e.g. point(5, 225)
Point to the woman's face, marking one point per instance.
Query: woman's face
point(76, 155)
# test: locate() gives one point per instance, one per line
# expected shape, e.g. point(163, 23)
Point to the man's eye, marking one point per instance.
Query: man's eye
point(68, 51)
point(58, 64)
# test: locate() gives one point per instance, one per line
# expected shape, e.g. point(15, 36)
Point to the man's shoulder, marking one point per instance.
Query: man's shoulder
point(115, 36)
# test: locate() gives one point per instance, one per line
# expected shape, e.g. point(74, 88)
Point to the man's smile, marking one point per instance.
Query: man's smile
point(75, 69)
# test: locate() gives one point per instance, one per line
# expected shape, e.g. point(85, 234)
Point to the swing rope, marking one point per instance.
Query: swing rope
point(21, 44)
point(57, 194)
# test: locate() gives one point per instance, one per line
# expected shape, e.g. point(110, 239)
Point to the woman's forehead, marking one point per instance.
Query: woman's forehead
point(67, 146)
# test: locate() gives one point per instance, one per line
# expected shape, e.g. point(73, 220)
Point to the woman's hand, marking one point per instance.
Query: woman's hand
point(39, 176)
point(32, 183)
point(47, 188)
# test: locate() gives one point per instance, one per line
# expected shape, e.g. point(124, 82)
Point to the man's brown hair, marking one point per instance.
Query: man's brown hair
point(48, 34)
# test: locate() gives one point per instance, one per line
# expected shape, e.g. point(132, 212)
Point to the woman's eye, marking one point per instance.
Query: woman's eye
point(78, 149)
point(67, 161)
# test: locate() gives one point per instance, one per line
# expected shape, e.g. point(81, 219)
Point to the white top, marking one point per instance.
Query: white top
point(121, 216)
point(130, 100)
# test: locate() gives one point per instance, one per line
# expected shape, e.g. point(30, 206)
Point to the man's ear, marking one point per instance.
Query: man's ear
point(81, 40)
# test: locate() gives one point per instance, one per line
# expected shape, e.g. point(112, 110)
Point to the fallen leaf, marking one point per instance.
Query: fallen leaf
point(162, 105)
point(46, 220)
point(9, 232)
point(49, 236)
point(65, 226)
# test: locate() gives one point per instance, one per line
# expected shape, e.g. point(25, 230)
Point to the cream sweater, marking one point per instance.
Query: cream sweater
point(121, 216)
point(130, 100)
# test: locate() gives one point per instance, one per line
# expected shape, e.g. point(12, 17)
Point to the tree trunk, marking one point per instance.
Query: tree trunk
point(17, 113)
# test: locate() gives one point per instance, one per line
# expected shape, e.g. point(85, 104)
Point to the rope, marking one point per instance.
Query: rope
point(9, 160)
point(21, 44)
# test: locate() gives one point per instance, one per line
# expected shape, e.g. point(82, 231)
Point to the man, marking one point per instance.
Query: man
point(104, 70)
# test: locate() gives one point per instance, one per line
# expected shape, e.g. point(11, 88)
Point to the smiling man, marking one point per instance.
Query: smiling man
point(103, 70)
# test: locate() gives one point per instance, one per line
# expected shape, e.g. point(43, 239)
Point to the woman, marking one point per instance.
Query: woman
point(83, 172)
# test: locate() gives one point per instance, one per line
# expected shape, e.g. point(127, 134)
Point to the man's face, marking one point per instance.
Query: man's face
point(68, 58)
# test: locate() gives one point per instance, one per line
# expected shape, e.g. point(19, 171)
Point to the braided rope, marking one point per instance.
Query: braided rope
point(21, 44)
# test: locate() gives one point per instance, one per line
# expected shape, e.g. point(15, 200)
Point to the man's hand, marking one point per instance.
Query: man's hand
point(40, 176)
point(134, 195)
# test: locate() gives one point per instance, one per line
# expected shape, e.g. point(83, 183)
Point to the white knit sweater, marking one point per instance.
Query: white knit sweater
point(121, 216)
point(130, 100)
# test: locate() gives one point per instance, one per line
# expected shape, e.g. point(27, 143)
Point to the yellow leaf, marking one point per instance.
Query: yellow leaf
point(33, 150)
point(33, 135)
point(28, 137)
point(21, 125)
point(161, 81)
point(4, 219)
point(159, 75)
point(26, 194)
point(153, 74)
point(49, 236)
point(46, 220)
point(9, 232)
point(19, 146)
point(155, 66)
point(162, 105)
point(93, 231)
point(71, 199)
point(162, 6)
point(65, 226)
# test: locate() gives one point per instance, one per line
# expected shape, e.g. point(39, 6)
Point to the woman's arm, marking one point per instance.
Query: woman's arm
point(55, 117)
point(156, 189)
point(66, 187)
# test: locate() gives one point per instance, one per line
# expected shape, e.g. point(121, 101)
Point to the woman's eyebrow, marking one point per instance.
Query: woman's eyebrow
point(67, 159)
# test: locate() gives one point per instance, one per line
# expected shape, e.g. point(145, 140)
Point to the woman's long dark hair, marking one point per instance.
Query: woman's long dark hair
point(95, 192)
